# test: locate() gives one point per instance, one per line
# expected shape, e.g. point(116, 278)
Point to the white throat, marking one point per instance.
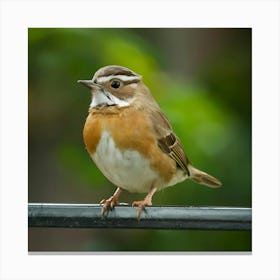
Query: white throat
point(107, 99)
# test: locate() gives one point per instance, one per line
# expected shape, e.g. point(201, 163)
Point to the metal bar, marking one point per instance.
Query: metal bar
point(154, 217)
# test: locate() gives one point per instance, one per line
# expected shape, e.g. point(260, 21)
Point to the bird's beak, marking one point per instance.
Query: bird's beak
point(89, 83)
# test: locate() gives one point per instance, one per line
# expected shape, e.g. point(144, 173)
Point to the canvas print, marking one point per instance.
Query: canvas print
point(134, 123)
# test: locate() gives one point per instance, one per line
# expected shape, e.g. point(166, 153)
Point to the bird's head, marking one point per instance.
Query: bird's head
point(114, 86)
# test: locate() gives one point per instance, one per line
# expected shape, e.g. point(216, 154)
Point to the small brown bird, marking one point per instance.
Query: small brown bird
point(131, 140)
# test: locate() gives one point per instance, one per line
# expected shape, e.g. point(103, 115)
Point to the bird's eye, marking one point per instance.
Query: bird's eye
point(115, 84)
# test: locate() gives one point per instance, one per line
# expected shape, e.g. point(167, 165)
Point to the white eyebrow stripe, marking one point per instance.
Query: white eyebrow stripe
point(123, 78)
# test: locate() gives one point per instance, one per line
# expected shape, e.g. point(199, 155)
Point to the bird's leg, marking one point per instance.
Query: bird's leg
point(109, 204)
point(146, 202)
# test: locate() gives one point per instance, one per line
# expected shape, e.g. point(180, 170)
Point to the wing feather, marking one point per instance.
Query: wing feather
point(168, 142)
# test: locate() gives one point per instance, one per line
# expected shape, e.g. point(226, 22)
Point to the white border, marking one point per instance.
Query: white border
point(17, 16)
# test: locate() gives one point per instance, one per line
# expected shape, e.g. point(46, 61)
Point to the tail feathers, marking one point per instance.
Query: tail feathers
point(203, 178)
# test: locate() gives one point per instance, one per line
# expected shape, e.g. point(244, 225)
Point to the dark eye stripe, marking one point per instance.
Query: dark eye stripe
point(131, 82)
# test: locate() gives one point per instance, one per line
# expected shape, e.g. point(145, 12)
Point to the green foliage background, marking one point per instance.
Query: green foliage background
point(202, 80)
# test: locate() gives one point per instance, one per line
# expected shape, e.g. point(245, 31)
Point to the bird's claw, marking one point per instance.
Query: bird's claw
point(108, 204)
point(141, 206)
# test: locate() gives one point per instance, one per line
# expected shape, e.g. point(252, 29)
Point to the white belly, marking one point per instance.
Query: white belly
point(126, 169)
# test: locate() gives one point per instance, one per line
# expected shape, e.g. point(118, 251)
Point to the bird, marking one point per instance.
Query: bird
point(131, 140)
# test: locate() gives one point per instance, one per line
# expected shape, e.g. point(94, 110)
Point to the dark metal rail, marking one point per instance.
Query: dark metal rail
point(154, 217)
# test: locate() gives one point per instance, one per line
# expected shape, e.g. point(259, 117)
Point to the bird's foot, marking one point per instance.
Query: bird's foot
point(141, 205)
point(108, 204)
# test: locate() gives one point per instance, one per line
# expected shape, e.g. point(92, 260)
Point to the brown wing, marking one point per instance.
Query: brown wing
point(167, 139)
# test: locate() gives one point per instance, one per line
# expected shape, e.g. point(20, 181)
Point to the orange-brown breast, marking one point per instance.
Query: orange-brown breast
point(130, 129)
